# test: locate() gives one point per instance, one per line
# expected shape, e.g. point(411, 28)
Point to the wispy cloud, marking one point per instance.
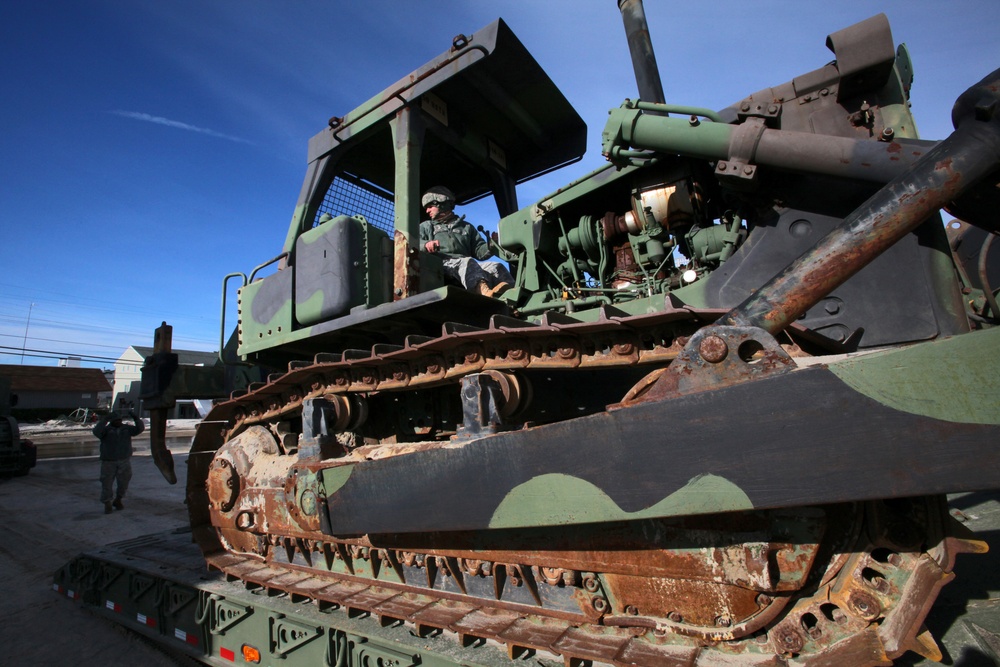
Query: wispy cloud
point(159, 120)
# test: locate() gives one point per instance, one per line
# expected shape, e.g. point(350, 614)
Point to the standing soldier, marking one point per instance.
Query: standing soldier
point(116, 457)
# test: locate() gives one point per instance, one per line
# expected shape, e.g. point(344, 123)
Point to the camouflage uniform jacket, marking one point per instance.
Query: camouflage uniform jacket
point(116, 442)
point(457, 237)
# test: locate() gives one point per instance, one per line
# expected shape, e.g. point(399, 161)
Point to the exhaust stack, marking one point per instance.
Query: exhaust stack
point(647, 74)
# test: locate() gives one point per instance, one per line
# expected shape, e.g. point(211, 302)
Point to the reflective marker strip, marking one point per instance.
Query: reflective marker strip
point(185, 637)
point(227, 654)
point(145, 620)
point(113, 606)
point(71, 594)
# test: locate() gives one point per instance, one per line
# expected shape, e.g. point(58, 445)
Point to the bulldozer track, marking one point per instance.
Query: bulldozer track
point(557, 341)
point(866, 607)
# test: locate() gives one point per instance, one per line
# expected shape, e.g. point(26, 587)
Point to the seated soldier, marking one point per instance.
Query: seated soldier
point(458, 242)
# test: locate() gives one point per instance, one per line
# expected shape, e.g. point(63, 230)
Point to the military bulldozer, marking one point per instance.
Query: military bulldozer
point(711, 422)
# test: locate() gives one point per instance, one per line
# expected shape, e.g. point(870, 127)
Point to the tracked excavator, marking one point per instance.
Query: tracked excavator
point(712, 421)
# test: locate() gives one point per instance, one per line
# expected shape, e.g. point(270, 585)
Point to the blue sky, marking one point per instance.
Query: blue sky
point(149, 148)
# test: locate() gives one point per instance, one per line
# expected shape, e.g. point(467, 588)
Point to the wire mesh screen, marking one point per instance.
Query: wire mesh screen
point(352, 196)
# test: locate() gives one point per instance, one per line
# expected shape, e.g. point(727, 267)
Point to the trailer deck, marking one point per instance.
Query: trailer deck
point(158, 585)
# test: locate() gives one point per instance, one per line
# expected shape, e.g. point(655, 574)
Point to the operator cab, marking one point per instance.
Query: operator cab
point(480, 118)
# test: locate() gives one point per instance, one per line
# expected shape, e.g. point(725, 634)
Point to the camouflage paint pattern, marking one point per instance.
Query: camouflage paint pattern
point(554, 499)
point(640, 460)
point(952, 379)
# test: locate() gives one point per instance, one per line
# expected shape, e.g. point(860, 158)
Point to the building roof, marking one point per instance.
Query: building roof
point(184, 357)
point(54, 378)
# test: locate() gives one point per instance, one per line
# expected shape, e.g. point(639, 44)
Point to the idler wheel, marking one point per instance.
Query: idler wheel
point(223, 485)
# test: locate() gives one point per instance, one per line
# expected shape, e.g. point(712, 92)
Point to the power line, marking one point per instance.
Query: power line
point(84, 326)
point(54, 354)
point(77, 301)
point(56, 340)
point(70, 318)
point(59, 357)
point(100, 330)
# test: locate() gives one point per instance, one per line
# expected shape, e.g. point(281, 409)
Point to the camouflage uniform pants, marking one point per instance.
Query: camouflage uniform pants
point(111, 472)
point(470, 272)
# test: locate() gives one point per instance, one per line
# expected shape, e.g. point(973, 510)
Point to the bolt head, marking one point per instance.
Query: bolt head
point(713, 349)
point(624, 348)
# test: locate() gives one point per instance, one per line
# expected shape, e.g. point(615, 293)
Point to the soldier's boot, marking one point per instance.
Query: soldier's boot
point(483, 288)
point(499, 289)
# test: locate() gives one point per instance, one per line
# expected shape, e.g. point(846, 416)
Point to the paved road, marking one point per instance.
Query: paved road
point(53, 514)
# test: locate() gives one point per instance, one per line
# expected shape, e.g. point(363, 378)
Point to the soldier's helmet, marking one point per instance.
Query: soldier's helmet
point(440, 195)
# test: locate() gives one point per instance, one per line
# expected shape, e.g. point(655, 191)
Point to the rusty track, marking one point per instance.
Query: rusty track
point(864, 603)
point(867, 610)
point(556, 342)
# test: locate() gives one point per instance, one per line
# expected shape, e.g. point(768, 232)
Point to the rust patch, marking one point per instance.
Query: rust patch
point(405, 267)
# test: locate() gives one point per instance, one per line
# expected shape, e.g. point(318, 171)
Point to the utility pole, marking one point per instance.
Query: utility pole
point(27, 324)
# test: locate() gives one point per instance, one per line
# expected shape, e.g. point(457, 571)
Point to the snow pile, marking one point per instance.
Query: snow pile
point(61, 425)
point(70, 426)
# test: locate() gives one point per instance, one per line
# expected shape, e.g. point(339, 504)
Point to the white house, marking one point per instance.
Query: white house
point(128, 375)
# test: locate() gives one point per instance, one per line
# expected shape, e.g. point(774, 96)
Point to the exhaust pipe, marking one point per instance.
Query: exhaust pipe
point(647, 74)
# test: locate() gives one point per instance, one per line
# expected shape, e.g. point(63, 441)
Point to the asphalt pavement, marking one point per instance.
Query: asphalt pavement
point(50, 516)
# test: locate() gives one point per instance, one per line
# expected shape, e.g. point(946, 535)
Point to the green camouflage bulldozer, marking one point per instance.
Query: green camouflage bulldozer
point(713, 419)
